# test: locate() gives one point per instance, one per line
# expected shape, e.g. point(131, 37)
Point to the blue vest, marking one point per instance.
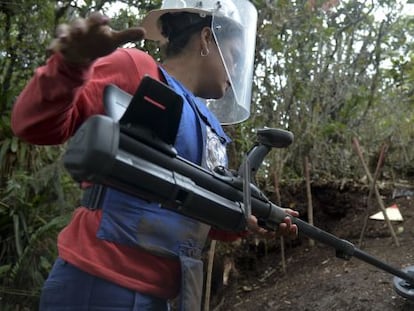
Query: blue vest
point(134, 222)
point(131, 221)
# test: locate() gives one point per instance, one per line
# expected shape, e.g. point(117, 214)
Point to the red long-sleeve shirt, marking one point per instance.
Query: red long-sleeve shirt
point(56, 101)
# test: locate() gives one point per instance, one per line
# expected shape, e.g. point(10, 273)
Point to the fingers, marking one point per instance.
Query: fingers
point(256, 229)
point(128, 35)
point(62, 31)
point(287, 228)
point(292, 212)
point(95, 24)
point(96, 19)
point(78, 28)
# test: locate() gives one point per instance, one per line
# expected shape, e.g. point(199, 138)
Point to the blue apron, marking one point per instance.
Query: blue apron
point(134, 222)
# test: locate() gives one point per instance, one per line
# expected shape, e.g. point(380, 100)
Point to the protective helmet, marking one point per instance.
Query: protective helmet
point(227, 15)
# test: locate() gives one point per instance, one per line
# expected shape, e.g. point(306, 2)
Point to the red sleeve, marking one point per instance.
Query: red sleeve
point(226, 236)
point(60, 96)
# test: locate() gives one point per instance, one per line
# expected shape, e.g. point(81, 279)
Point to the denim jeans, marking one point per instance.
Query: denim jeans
point(70, 289)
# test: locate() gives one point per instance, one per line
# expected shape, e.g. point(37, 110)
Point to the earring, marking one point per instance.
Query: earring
point(204, 53)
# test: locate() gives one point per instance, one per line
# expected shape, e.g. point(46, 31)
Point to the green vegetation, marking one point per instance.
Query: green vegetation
point(326, 73)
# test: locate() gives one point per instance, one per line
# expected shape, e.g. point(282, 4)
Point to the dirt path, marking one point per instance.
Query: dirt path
point(317, 280)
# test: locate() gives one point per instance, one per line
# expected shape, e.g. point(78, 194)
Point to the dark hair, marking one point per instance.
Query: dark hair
point(178, 29)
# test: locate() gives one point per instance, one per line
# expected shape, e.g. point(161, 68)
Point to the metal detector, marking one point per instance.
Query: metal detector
point(130, 157)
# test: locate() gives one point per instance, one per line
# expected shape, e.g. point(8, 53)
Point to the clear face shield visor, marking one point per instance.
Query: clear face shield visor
point(234, 25)
point(236, 39)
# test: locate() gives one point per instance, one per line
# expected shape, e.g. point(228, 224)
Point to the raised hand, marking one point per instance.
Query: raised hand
point(86, 39)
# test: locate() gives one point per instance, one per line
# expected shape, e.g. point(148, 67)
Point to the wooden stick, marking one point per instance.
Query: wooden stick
point(209, 273)
point(282, 241)
point(309, 196)
point(376, 192)
point(380, 162)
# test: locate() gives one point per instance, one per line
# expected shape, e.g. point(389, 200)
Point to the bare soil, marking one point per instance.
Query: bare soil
point(314, 278)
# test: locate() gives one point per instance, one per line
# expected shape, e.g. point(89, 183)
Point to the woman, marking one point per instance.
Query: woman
point(129, 254)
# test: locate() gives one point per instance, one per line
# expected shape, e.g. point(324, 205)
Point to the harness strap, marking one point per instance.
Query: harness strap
point(93, 196)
